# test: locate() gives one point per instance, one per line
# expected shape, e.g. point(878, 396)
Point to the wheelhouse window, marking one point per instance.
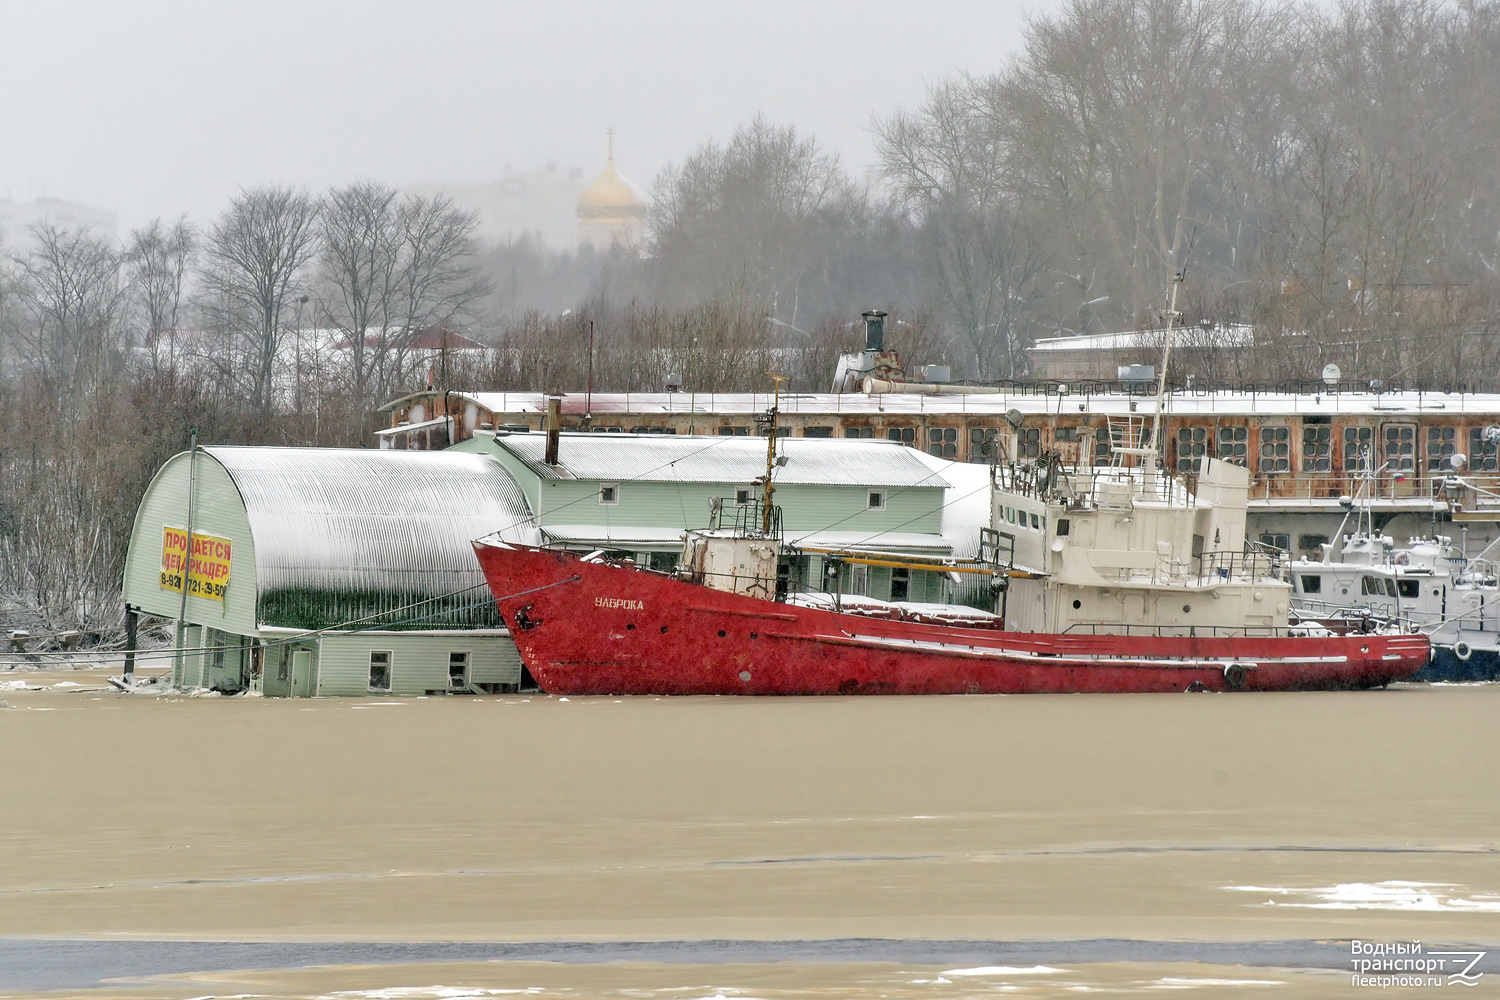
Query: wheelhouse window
point(1317, 445)
point(1192, 445)
point(1409, 588)
point(609, 492)
point(1275, 450)
point(1312, 584)
point(1233, 444)
point(380, 670)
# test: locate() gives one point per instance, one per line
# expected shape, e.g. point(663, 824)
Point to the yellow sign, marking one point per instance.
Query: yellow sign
point(208, 569)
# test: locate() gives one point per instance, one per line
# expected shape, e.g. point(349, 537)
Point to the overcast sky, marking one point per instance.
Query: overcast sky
point(152, 107)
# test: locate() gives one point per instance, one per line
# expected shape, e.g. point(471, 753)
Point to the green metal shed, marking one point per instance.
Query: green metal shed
point(317, 571)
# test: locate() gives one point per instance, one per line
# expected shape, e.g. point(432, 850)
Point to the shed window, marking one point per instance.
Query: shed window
point(743, 495)
point(876, 500)
point(609, 493)
point(900, 583)
point(380, 670)
point(458, 671)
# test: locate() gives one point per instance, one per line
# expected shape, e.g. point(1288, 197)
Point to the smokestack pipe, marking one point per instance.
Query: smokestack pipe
point(554, 427)
point(874, 330)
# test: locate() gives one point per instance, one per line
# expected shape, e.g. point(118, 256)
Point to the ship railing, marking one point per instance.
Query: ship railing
point(1256, 563)
point(1178, 631)
point(745, 519)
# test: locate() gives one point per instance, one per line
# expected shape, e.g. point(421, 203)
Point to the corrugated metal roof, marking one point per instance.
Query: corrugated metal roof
point(993, 405)
point(673, 458)
point(1231, 335)
point(358, 521)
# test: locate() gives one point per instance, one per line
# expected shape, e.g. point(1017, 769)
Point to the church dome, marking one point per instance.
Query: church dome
point(610, 196)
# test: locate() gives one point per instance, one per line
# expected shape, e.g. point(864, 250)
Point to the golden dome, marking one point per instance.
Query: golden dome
point(610, 196)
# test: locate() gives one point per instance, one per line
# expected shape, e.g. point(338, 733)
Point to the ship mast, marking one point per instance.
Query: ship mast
point(1161, 382)
point(768, 489)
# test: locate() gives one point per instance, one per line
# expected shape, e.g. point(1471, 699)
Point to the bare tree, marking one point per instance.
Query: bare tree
point(745, 218)
point(945, 165)
point(256, 255)
point(158, 259)
point(69, 293)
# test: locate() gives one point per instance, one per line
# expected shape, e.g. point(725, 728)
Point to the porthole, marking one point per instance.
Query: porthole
point(722, 633)
point(1077, 605)
point(664, 629)
point(630, 628)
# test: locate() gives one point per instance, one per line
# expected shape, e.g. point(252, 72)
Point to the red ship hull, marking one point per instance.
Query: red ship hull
point(592, 628)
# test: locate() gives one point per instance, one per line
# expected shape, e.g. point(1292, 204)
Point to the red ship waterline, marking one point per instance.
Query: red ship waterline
point(586, 627)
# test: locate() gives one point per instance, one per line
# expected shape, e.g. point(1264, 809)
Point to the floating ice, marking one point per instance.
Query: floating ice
point(1389, 895)
point(1004, 970)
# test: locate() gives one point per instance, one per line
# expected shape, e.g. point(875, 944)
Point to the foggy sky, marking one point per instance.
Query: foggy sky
point(151, 107)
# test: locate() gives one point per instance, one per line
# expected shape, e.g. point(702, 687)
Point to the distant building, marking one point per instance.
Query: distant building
point(611, 211)
point(538, 202)
point(1101, 356)
point(16, 218)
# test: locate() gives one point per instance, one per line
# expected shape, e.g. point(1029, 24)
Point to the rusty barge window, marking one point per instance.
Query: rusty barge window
point(942, 442)
point(1192, 444)
point(1275, 450)
point(1317, 445)
point(906, 435)
point(1029, 442)
point(1233, 444)
point(380, 670)
point(859, 432)
point(983, 443)
point(1484, 449)
point(1399, 447)
point(817, 432)
point(1441, 444)
point(1103, 447)
point(1359, 451)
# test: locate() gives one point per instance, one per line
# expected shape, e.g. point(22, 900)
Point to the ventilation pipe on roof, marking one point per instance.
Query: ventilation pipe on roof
point(874, 330)
point(554, 427)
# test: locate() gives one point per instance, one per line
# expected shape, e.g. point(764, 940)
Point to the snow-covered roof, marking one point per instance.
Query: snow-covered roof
point(682, 458)
point(1043, 399)
point(366, 520)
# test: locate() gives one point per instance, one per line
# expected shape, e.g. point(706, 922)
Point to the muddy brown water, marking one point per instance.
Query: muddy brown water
point(1224, 844)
